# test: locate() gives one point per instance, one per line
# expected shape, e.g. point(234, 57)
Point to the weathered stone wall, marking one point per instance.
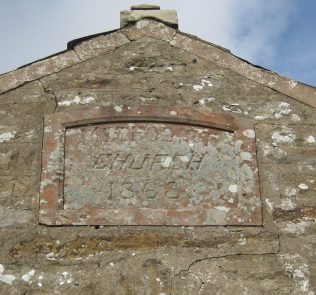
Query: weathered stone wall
point(148, 66)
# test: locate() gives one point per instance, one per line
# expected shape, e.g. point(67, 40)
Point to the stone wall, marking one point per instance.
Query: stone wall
point(138, 66)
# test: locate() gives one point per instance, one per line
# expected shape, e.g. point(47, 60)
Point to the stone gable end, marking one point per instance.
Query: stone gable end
point(151, 66)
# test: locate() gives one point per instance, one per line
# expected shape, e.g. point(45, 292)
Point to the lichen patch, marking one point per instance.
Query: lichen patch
point(76, 100)
point(7, 136)
point(26, 277)
point(6, 278)
point(249, 133)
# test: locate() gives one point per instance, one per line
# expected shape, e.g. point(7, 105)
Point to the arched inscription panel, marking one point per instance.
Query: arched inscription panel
point(149, 166)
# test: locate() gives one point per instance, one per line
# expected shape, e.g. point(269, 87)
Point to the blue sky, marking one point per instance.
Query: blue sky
point(278, 35)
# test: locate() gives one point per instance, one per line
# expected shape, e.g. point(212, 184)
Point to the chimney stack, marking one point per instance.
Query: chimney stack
point(138, 12)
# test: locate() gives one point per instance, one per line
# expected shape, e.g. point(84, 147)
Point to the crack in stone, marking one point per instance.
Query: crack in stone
point(175, 34)
point(81, 60)
point(50, 91)
point(216, 257)
point(16, 87)
point(126, 36)
point(102, 53)
point(36, 78)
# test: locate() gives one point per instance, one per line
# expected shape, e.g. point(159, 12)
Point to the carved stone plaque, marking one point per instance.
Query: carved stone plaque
point(149, 166)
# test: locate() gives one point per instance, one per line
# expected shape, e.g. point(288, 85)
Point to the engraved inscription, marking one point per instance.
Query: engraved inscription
point(150, 162)
point(148, 165)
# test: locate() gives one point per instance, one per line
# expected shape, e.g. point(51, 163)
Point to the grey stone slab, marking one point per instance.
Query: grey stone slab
point(168, 17)
point(100, 45)
point(13, 217)
point(37, 70)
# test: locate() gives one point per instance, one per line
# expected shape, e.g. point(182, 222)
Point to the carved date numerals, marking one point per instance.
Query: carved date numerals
point(145, 191)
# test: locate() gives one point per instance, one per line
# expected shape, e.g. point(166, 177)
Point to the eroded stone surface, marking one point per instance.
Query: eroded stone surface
point(276, 258)
point(100, 45)
point(11, 217)
point(224, 274)
point(199, 170)
point(147, 27)
point(37, 70)
point(305, 93)
point(167, 16)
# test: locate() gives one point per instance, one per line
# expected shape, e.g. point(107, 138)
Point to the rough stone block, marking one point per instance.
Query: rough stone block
point(19, 192)
point(32, 92)
point(26, 129)
point(242, 274)
point(147, 27)
point(169, 17)
point(37, 70)
point(8, 158)
point(11, 217)
point(21, 159)
point(100, 45)
point(213, 53)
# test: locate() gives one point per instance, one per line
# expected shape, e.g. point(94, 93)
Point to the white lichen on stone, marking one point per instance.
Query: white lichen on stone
point(281, 137)
point(76, 100)
point(73, 131)
point(5, 278)
point(50, 256)
point(118, 109)
point(197, 87)
point(297, 269)
point(295, 117)
point(303, 186)
point(233, 188)
point(249, 133)
point(292, 84)
point(166, 162)
point(65, 278)
point(310, 139)
point(48, 129)
point(222, 208)
point(269, 204)
point(184, 159)
point(287, 204)
point(7, 136)
point(242, 241)
point(299, 227)
point(283, 109)
point(172, 42)
point(142, 24)
point(26, 277)
point(289, 191)
point(203, 83)
point(234, 108)
point(31, 135)
point(203, 101)
point(169, 68)
point(245, 156)
point(173, 113)
point(260, 118)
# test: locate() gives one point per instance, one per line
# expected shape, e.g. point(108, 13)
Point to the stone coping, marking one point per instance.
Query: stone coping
point(86, 48)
